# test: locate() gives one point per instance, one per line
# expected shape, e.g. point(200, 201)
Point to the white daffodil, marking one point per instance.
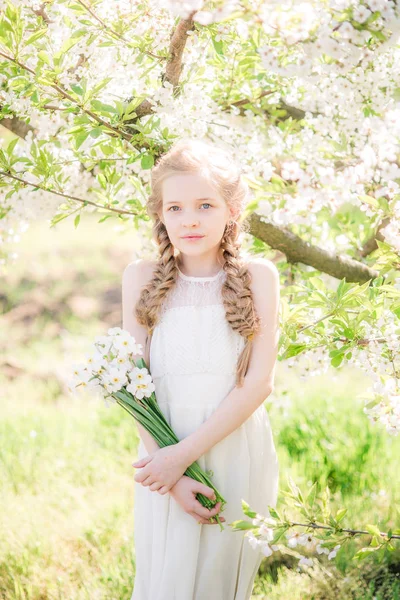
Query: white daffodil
point(77, 371)
point(94, 356)
point(95, 386)
point(80, 377)
point(122, 362)
point(96, 363)
point(114, 379)
point(105, 343)
point(115, 331)
point(141, 383)
point(126, 344)
point(99, 368)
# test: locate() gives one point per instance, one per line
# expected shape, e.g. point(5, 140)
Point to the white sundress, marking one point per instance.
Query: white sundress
point(193, 356)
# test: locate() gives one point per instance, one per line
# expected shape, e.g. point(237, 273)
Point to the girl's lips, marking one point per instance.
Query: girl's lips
point(193, 237)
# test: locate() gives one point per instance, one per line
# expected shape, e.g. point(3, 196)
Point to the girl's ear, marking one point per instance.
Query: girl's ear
point(233, 214)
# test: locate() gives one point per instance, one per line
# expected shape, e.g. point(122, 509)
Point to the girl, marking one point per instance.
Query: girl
point(208, 321)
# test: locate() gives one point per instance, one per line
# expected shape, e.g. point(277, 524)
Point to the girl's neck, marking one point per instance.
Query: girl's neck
point(199, 271)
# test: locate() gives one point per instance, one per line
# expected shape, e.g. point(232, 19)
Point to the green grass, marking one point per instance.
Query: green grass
point(66, 480)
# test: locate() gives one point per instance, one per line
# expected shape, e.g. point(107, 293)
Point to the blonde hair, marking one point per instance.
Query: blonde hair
point(196, 156)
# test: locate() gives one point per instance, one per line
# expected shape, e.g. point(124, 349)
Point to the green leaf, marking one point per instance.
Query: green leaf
point(218, 46)
point(147, 161)
point(332, 521)
point(370, 200)
point(337, 360)
point(247, 511)
point(11, 146)
point(312, 494)
point(73, 40)
point(103, 108)
point(57, 218)
point(242, 525)
point(317, 283)
point(341, 288)
point(105, 217)
point(77, 89)
point(278, 533)
point(3, 160)
point(392, 291)
point(76, 220)
point(340, 514)
point(80, 138)
point(96, 132)
point(373, 529)
point(107, 149)
point(363, 552)
point(274, 513)
point(294, 350)
point(102, 180)
point(44, 57)
point(36, 36)
point(97, 88)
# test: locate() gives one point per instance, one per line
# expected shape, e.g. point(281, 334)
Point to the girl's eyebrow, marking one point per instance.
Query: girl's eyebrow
point(197, 200)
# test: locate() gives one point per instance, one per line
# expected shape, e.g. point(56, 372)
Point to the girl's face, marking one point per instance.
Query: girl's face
point(191, 206)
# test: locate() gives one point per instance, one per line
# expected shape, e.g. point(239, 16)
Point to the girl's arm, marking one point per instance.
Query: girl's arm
point(241, 402)
point(135, 276)
point(147, 439)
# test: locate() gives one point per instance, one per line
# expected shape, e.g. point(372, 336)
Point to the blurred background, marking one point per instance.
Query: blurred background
point(66, 475)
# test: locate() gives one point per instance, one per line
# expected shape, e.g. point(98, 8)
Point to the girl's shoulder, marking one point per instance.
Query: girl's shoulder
point(261, 268)
point(265, 283)
point(143, 269)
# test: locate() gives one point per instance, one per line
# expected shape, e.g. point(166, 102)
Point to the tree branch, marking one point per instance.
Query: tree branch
point(371, 245)
point(297, 250)
point(173, 67)
point(16, 125)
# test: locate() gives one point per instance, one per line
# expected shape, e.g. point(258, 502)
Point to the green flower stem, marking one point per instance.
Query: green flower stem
point(163, 427)
point(156, 424)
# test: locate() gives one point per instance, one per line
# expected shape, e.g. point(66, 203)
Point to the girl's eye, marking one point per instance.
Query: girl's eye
point(175, 206)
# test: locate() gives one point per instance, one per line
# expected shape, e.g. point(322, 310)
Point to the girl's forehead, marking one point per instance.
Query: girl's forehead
point(188, 188)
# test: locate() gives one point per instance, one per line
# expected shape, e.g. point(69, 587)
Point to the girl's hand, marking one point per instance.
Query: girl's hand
point(184, 493)
point(161, 469)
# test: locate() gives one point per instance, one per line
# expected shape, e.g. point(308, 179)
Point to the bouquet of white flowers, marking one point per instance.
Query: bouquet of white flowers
point(112, 372)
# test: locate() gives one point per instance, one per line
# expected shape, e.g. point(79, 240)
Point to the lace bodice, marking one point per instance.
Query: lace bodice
point(195, 291)
point(193, 335)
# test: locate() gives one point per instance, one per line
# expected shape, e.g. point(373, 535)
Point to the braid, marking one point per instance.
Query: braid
point(148, 306)
point(237, 298)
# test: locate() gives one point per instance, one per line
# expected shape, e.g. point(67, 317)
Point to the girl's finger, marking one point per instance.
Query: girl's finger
point(201, 520)
point(148, 481)
point(205, 513)
point(155, 487)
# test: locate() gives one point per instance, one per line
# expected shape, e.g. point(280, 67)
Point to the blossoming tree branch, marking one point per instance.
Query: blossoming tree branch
point(305, 95)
